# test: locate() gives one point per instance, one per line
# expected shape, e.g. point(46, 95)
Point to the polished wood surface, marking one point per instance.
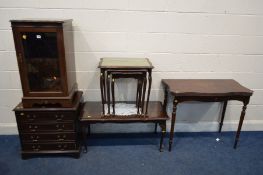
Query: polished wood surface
point(206, 87)
point(49, 131)
point(92, 113)
point(206, 90)
point(66, 65)
point(138, 68)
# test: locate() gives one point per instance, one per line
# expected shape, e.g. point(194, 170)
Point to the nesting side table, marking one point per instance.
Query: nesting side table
point(139, 68)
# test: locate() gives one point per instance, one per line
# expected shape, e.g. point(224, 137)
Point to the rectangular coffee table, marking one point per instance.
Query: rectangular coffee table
point(206, 90)
point(91, 113)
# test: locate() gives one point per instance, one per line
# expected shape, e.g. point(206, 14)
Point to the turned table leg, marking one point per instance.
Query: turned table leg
point(242, 116)
point(223, 116)
point(163, 127)
point(84, 137)
point(175, 103)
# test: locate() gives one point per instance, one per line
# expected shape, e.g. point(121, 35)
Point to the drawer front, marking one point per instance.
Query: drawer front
point(45, 116)
point(45, 127)
point(49, 147)
point(48, 137)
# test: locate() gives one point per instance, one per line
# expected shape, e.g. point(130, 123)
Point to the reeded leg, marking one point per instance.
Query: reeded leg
point(102, 90)
point(113, 96)
point(223, 116)
point(84, 137)
point(163, 127)
point(240, 123)
point(149, 90)
point(172, 124)
point(108, 93)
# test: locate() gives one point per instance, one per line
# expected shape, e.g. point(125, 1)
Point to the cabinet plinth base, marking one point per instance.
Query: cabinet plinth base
point(64, 102)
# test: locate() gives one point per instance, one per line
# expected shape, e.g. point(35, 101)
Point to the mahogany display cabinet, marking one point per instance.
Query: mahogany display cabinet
point(44, 50)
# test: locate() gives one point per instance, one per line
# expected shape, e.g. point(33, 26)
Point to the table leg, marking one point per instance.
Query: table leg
point(139, 96)
point(84, 137)
point(108, 93)
point(155, 128)
point(242, 116)
point(163, 127)
point(175, 103)
point(104, 86)
point(89, 130)
point(165, 100)
point(149, 89)
point(143, 94)
point(102, 90)
point(113, 96)
point(223, 116)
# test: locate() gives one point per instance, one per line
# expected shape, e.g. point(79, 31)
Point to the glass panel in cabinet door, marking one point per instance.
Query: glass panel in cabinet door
point(41, 58)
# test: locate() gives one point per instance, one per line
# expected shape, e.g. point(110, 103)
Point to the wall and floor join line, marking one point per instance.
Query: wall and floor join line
point(183, 39)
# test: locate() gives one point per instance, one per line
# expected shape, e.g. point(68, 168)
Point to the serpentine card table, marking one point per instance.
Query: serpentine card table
point(206, 90)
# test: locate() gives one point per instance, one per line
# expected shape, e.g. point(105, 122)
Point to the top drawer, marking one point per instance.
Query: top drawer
point(45, 116)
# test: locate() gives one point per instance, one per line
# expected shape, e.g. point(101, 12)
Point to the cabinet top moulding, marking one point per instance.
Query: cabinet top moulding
point(39, 22)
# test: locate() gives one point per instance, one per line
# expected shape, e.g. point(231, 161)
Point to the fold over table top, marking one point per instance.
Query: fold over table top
point(206, 87)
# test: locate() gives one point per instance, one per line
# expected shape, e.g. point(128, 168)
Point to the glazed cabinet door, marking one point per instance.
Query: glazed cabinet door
point(41, 60)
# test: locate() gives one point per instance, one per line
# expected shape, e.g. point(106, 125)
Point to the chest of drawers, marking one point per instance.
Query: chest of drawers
point(49, 131)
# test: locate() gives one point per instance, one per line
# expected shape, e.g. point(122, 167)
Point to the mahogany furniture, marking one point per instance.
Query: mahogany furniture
point(45, 59)
point(206, 90)
point(141, 87)
point(138, 68)
point(92, 113)
point(49, 131)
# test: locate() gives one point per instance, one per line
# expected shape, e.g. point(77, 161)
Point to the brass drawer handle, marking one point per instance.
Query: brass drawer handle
point(61, 138)
point(36, 148)
point(32, 128)
point(62, 147)
point(60, 127)
point(58, 118)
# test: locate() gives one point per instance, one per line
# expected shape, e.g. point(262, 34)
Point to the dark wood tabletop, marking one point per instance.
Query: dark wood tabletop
point(206, 87)
point(92, 112)
point(206, 90)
